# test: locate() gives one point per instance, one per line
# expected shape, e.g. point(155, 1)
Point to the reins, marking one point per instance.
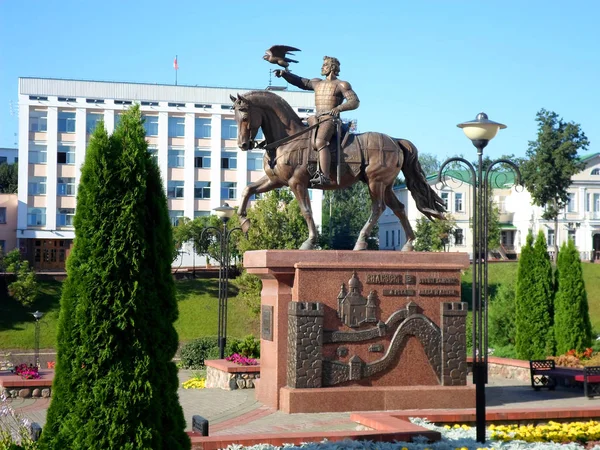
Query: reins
point(272, 145)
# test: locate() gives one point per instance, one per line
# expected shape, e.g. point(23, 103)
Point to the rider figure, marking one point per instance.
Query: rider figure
point(330, 93)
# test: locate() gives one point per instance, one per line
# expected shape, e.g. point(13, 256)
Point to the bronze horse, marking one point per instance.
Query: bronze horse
point(373, 158)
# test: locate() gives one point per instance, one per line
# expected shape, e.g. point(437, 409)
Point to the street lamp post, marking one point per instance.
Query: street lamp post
point(37, 316)
point(480, 131)
point(224, 213)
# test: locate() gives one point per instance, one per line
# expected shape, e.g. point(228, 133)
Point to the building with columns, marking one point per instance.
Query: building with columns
point(190, 131)
point(579, 220)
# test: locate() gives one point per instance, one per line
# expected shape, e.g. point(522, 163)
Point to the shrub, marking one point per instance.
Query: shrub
point(572, 326)
point(195, 352)
point(249, 347)
point(502, 317)
point(250, 287)
point(15, 431)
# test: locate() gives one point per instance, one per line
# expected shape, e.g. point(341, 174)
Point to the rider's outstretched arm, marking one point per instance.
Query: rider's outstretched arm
point(299, 82)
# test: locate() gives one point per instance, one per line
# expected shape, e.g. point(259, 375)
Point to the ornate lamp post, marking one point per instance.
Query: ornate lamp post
point(37, 316)
point(480, 131)
point(224, 213)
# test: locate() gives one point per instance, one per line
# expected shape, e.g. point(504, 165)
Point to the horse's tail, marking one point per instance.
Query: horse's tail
point(426, 199)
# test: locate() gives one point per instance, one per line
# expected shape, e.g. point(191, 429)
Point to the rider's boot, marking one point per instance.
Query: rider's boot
point(321, 178)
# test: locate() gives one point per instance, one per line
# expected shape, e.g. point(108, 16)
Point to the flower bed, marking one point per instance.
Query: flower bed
point(227, 375)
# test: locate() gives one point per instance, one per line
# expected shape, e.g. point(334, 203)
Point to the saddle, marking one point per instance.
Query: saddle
point(352, 157)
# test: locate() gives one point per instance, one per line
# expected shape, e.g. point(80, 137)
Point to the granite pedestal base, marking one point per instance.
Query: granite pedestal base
point(358, 331)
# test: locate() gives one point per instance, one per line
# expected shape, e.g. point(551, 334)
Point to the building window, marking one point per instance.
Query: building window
point(64, 217)
point(458, 237)
point(176, 126)
point(176, 157)
point(387, 238)
point(3, 215)
point(118, 119)
point(91, 121)
point(202, 159)
point(3, 246)
point(38, 153)
point(393, 238)
point(550, 238)
point(66, 154)
point(255, 161)
point(153, 150)
point(3, 160)
point(36, 186)
point(572, 234)
point(228, 129)
point(458, 202)
point(201, 214)
point(445, 196)
point(202, 189)
point(596, 171)
point(38, 121)
point(175, 217)
point(66, 122)
point(175, 189)
point(202, 128)
point(65, 187)
point(596, 202)
point(151, 125)
point(228, 190)
point(571, 205)
point(229, 160)
point(36, 217)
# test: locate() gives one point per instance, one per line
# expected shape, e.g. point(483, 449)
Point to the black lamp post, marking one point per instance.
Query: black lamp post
point(224, 213)
point(37, 316)
point(480, 131)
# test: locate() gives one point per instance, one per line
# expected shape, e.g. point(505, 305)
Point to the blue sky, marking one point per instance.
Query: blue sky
point(418, 67)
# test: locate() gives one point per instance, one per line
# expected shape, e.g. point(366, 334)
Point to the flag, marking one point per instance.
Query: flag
point(175, 65)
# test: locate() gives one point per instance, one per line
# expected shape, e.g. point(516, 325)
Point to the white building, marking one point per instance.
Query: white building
point(579, 221)
point(190, 130)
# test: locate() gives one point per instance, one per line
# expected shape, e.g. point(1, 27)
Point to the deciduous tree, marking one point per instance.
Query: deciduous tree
point(434, 235)
point(553, 160)
point(9, 178)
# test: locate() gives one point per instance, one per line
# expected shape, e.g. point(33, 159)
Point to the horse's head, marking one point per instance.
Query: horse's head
point(248, 121)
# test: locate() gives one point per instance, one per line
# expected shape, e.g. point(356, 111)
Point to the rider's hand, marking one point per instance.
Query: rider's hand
point(278, 73)
point(335, 112)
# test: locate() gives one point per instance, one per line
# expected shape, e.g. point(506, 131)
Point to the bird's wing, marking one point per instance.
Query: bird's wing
point(281, 50)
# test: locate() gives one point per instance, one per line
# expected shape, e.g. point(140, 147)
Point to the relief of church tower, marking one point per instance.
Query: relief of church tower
point(353, 308)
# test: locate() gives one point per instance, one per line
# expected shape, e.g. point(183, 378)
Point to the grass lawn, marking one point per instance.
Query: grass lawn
point(198, 310)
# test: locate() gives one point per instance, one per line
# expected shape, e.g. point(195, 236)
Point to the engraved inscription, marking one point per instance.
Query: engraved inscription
point(438, 293)
point(267, 323)
point(399, 292)
point(439, 280)
point(384, 278)
point(410, 279)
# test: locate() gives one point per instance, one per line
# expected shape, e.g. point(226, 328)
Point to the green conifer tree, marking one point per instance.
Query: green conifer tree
point(116, 384)
point(572, 326)
point(534, 338)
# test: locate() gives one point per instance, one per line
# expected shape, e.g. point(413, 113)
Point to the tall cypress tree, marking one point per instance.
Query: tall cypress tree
point(534, 338)
point(116, 384)
point(572, 326)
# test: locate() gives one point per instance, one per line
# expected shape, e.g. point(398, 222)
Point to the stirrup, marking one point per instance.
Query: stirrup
point(320, 179)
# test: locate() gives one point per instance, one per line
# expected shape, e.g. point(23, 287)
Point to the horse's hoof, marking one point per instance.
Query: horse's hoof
point(245, 224)
point(360, 246)
point(307, 245)
point(408, 247)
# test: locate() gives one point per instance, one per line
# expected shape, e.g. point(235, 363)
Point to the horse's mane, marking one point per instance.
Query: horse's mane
point(267, 99)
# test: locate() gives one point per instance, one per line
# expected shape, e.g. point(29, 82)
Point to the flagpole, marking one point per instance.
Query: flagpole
point(176, 67)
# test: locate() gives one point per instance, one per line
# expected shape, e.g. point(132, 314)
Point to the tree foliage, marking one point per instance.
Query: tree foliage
point(433, 235)
point(116, 384)
point(534, 301)
point(572, 326)
point(345, 212)
point(502, 316)
point(25, 288)
point(9, 178)
point(276, 223)
point(553, 161)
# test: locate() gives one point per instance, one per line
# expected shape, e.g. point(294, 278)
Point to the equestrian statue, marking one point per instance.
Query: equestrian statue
point(300, 156)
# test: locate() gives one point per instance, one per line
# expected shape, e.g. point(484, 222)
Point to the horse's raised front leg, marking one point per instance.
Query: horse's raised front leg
point(376, 191)
point(300, 190)
point(395, 205)
point(264, 184)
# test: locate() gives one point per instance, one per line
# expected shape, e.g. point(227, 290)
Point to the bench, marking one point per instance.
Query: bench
point(544, 374)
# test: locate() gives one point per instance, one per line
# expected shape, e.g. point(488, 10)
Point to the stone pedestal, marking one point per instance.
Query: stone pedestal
point(346, 326)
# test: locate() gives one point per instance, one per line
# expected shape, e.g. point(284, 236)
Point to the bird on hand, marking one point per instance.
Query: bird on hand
point(278, 55)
